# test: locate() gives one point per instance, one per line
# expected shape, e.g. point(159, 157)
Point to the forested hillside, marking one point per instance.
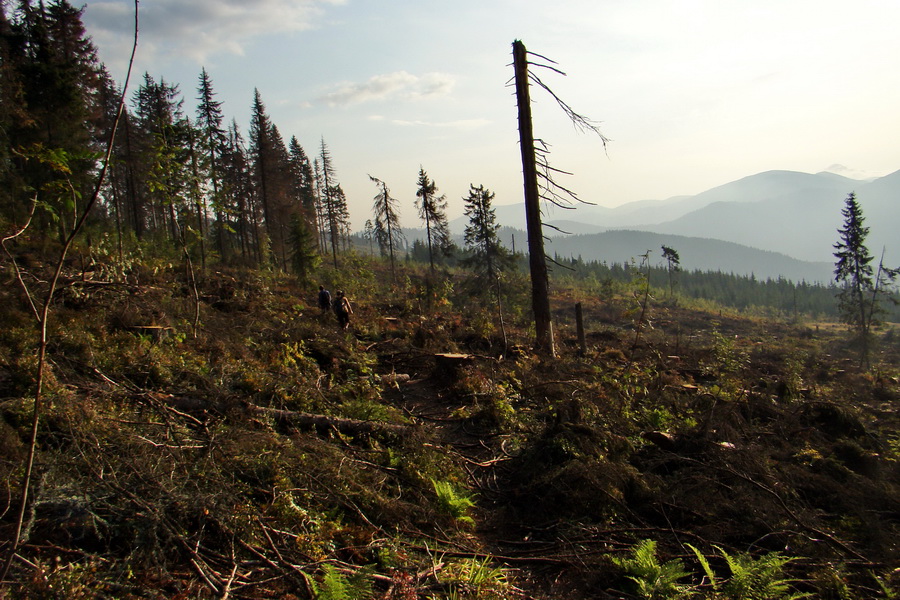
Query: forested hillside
point(183, 416)
point(697, 254)
point(186, 177)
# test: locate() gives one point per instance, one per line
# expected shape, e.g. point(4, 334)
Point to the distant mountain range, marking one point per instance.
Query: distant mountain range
point(770, 224)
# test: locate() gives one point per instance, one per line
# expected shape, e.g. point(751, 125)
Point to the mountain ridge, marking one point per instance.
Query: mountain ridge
point(788, 213)
point(696, 254)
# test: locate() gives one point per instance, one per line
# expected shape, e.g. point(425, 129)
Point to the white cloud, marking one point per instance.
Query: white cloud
point(399, 85)
point(467, 124)
point(433, 84)
point(197, 29)
point(861, 175)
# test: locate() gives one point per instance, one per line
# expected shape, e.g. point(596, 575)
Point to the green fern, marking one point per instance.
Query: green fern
point(758, 578)
point(710, 574)
point(751, 578)
point(338, 586)
point(455, 503)
point(654, 581)
point(886, 589)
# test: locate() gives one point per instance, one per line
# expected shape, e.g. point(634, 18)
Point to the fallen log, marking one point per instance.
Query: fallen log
point(395, 378)
point(323, 424)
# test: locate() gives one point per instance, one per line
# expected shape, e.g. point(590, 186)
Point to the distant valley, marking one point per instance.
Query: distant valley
point(776, 223)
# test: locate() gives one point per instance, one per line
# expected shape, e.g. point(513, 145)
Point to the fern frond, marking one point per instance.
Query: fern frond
point(654, 580)
point(335, 585)
point(453, 502)
point(704, 562)
point(758, 578)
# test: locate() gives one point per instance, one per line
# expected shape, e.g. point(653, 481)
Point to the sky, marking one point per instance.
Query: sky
point(691, 94)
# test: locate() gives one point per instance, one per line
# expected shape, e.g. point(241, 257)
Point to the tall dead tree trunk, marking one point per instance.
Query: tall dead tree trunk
point(199, 202)
point(540, 280)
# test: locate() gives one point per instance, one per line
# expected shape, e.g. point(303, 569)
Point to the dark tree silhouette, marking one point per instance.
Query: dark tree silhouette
point(238, 199)
point(331, 206)
point(51, 86)
point(432, 210)
point(388, 232)
point(859, 299)
point(162, 141)
point(303, 182)
point(488, 257)
point(304, 253)
point(673, 264)
point(212, 139)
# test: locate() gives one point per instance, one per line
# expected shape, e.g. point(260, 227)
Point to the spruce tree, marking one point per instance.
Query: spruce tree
point(212, 141)
point(342, 215)
point(260, 155)
point(388, 233)
point(488, 257)
point(239, 207)
point(333, 204)
point(284, 205)
point(322, 221)
point(369, 235)
point(673, 263)
point(853, 273)
point(49, 112)
point(304, 255)
point(13, 114)
point(432, 210)
point(162, 138)
point(303, 182)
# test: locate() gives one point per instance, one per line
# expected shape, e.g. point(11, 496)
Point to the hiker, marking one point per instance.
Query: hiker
point(342, 309)
point(324, 299)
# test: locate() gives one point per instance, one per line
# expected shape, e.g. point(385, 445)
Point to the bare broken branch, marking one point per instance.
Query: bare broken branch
point(44, 314)
point(580, 122)
point(19, 278)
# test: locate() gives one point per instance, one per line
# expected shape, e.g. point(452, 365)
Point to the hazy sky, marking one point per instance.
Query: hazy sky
point(691, 93)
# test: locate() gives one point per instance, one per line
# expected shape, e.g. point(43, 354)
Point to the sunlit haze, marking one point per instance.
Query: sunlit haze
point(692, 94)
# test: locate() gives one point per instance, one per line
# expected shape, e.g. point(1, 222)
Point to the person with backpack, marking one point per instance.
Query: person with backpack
point(324, 299)
point(342, 309)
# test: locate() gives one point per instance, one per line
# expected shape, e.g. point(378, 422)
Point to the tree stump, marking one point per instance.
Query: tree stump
point(448, 365)
point(156, 332)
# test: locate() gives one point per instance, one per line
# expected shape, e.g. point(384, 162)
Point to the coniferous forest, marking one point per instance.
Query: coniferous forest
point(182, 418)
